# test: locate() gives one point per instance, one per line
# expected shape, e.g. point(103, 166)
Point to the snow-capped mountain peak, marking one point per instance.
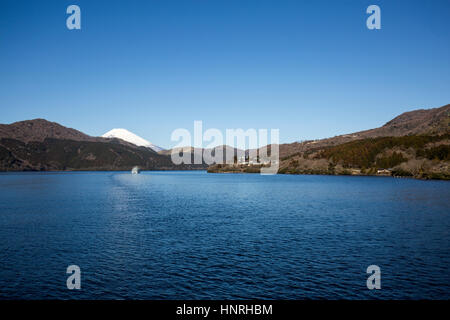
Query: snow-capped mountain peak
point(130, 137)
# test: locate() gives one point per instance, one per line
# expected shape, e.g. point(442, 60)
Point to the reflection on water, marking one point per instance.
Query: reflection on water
point(193, 235)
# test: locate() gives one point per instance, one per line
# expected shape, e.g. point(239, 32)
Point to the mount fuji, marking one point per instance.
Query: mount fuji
point(130, 137)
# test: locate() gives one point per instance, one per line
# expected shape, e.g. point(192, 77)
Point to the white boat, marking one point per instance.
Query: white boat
point(135, 170)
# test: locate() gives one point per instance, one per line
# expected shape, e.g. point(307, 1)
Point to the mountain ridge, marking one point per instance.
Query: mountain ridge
point(39, 129)
point(414, 144)
point(39, 144)
point(42, 145)
point(432, 121)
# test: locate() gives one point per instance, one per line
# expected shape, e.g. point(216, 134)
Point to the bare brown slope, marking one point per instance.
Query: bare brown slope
point(418, 122)
point(41, 129)
point(414, 144)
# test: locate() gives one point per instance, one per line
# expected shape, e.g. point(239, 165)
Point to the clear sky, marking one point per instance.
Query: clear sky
point(310, 68)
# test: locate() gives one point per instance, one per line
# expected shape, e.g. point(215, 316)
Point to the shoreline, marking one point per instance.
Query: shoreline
point(424, 178)
point(94, 170)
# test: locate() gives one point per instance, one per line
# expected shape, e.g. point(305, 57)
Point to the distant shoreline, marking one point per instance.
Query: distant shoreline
point(231, 172)
point(93, 170)
point(426, 177)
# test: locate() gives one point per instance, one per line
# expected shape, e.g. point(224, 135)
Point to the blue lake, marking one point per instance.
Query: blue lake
point(194, 235)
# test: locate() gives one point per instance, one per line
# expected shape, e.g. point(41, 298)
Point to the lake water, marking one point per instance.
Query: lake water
point(194, 235)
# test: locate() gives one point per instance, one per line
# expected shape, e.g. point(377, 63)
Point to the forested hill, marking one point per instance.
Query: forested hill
point(43, 145)
point(414, 144)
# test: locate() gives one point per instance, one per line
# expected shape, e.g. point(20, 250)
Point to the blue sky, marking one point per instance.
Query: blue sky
point(310, 68)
